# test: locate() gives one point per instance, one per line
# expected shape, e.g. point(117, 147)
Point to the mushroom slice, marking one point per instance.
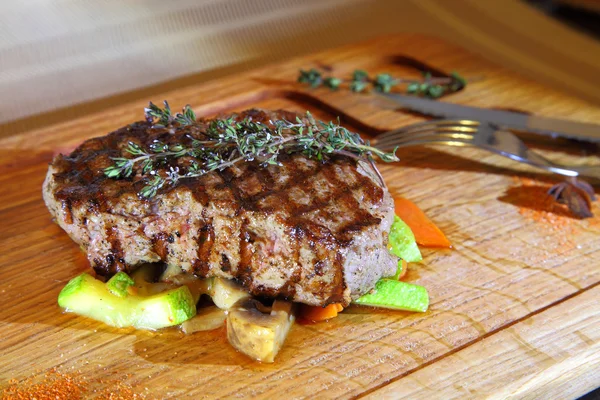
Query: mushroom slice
point(225, 293)
point(197, 286)
point(206, 319)
point(145, 280)
point(259, 331)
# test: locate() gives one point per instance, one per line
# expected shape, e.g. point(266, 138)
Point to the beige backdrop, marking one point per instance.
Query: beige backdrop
point(63, 58)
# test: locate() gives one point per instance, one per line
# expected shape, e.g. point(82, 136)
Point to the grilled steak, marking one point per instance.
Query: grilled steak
point(309, 231)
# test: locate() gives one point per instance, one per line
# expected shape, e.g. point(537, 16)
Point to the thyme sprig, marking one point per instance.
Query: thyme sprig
point(225, 142)
point(165, 117)
point(360, 81)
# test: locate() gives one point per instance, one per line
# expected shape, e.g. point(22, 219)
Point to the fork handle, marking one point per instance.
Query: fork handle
point(526, 155)
point(592, 171)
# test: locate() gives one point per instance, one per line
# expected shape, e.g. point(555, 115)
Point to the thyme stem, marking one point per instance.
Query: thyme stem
point(230, 142)
point(360, 81)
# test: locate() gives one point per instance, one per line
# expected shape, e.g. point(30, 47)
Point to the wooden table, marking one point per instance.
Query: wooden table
point(514, 306)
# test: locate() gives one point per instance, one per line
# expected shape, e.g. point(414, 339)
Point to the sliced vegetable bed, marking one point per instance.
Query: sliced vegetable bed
point(316, 313)
point(402, 242)
point(426, 232)
point(113, 304)
point(397, 295)
point(402, 270)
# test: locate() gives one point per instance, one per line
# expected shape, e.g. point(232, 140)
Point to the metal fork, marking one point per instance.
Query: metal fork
point(483, 135)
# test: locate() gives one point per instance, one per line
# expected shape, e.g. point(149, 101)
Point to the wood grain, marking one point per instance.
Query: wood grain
point(552, 349)
point(511, 289)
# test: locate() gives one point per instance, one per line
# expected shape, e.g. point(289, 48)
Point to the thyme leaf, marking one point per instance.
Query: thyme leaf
point(225, 142)
point(360, 81)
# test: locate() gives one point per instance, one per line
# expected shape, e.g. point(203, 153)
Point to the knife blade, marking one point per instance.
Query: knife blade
point(508, 119)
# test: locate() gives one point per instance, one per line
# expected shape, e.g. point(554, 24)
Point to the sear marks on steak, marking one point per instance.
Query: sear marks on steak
point(309, 231)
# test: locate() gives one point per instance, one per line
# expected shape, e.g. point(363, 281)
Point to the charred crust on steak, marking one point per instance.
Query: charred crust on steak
point(301, 231)
point(159, 244)
point(114, 260)
point(206, 239)
point(225, 264)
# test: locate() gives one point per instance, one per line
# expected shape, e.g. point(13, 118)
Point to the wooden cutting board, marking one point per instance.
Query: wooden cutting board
point(514, 306)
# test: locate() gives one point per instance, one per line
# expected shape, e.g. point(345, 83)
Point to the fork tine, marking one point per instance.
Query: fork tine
point(439, 123)
point(389, 139)
point(390, 142)
point(428, 139)
point(440, 129)
point(429, 128)
point(446, 125)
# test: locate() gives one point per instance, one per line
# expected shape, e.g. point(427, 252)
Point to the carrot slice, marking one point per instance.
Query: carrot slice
point(426, 233)
point(404, 270)
point(316, 313)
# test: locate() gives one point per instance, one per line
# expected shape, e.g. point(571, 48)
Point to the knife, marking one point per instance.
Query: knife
point(507, 119)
